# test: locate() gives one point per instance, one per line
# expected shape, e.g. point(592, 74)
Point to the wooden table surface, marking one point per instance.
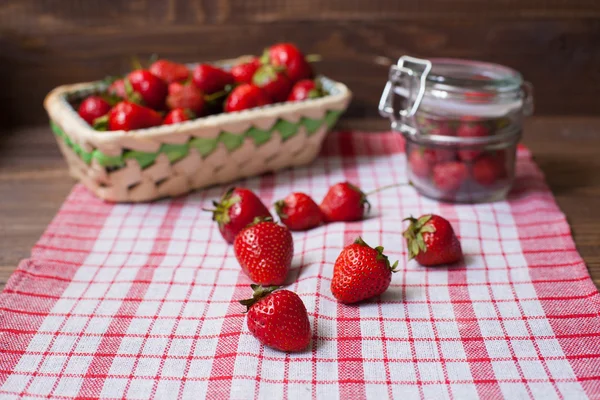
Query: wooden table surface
point(34, 182)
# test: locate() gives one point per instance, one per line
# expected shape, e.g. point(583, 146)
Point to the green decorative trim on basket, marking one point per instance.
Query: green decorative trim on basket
point(204, 146)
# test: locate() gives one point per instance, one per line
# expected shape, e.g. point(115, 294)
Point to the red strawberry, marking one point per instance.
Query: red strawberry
point(210, 79)
point(471, 129)
point(246, 96)
point(287, 55)
point(344, 202)
point(142, 85)
point(278, 318)
point(117, 88)
point(128, 116)
point(178, 115)
point(243, 73)
point(488, 169)
point(93, 107)
point(449, 176)
point(299, 212)
point(264, 251)
point(437, 155)
point(419, 164)
point(169, 71)
point(305, 89)
point(275, 83)
point(361, 272)
point(186, 96)
point(431, 241)
point(237, 209)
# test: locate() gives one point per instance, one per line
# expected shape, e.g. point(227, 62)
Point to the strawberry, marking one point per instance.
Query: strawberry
point(438, 155)
point(287, 55)
point(274, 82)
point(299, 212)
point(431, 241)
point(361, 272)
point(449, 176)
point(419, 164)
point(210, 79)
point(470, 129)
point(178, 115)
point(246, 96)
point(278, 318)
point(488, 169)
point(128, 116)
point(186, 96)
point(150, 89)
point(243, 73)
point(237, 209)
point(305, 89)
point(169, 71)
point(264, 250)
point(117, 88)
point(93, 107)
point(344, 202)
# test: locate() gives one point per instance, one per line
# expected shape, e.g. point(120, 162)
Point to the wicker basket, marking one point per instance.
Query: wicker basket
point(171, 160)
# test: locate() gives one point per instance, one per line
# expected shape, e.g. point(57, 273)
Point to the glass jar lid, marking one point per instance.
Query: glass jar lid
point(454, 87)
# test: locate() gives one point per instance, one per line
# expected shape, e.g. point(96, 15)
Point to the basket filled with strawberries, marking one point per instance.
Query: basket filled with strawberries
point(171, 128)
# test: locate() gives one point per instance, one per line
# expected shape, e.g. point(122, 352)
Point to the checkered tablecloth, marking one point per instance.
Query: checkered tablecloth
point(140, 301)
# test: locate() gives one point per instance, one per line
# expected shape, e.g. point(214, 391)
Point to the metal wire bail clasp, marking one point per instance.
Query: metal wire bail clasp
point(403, 77)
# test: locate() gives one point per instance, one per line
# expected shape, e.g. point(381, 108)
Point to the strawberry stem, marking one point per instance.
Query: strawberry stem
point(258, 293)
point(386, 187)
point(311, 58)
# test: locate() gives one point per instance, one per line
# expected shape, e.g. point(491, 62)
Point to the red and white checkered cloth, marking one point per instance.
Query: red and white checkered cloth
point(140, 301)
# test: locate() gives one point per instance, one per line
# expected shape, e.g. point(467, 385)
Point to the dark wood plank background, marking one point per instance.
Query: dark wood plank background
point(554, 43)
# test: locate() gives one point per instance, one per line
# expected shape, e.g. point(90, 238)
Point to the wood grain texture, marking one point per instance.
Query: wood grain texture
point(34, 182)
point(46, 43)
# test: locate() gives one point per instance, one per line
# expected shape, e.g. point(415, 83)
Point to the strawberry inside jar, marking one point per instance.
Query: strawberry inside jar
point(462, 121)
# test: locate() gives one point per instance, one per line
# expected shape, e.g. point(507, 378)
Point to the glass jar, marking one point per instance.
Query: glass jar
point(462, 121)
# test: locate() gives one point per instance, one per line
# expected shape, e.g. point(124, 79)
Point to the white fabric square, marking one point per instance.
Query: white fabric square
point(498, 349)
point(147, 367)
point(523, 348)
point(505, 370)
point(508, 309)
point(540, 327)
point(68, 386)
point(300, 370)
point(374, 371)
point(140, 388)
point(515, 328)
point(174, 367)
point(194, 390)
point(272, 370)
point(464, 391)
point(155, 346)
point(42, 385)
point(28, 362)
point(484, 310)
point(436, 391)
point(78, 364)
point(431, 372)
point(502, 292)
point(422, 329)
point(426, 350)
point(167, 389)
point(403, 371)
point(447, 329)
point(490, 328)
point(560, 369)
point(372, 349)
point(532, 369)
point(40, 342)
point(452, 349)
point(399, 350)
